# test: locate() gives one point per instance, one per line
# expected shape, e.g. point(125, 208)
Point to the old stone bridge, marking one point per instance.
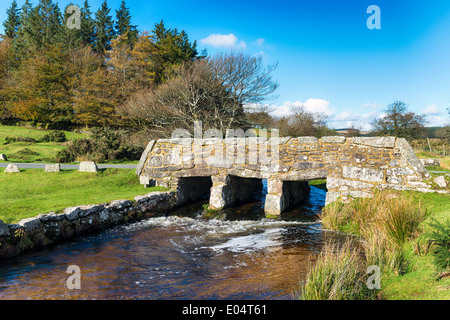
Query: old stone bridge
point(231, 170)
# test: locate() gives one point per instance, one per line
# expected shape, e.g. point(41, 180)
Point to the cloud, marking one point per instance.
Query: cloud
point(311, 105)
point(260, 42)
point(431, 110)
point(372, 105)
point(228, 41)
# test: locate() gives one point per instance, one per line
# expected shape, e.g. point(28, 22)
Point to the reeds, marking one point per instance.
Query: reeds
point(339, 274)
point(384, 223)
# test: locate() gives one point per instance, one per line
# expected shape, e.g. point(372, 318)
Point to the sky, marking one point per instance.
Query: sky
point(329, 60)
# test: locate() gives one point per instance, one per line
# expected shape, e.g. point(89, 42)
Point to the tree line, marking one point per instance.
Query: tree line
point(62, 77)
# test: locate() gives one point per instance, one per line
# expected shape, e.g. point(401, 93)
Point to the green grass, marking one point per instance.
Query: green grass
point(31, 152)
point(417, 276)
point(32, 192)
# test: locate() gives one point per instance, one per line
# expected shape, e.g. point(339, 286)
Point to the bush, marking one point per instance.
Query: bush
point(8, 140)
point(339, 274)
point(54, 136)
point(106, 145)
point(440, 239)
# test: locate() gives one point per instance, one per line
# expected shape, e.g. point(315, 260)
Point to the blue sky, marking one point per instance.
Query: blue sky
point(329, 61)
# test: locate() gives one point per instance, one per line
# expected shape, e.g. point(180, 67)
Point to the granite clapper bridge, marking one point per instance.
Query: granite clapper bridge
point(230, 171)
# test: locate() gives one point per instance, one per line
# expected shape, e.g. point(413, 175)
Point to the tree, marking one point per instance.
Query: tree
point(104, 29)
point(190, 94)
point(39, 91)
point(303, 123)
point(172, 48)
point(123, 25)
point(12, 21)
point(399, 122)
point(92, 104)
point(246, 78)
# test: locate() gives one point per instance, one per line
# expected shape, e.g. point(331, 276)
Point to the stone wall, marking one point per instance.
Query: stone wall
point(47, 229)
point(353, 166)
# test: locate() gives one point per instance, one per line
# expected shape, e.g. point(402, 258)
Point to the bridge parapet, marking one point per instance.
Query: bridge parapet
point(353, 167)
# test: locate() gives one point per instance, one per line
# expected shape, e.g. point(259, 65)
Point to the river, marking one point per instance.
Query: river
point(238, 256)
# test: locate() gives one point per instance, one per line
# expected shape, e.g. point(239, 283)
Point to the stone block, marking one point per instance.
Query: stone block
point(334, 183)
point(12, 168)
point(53, 167)
point(4, 229)
point(3, 157)
point(440, 181)
point(365, 174)
point(88, 166)
point(30, 224)
point(333, 139)
point(430, 162)
point(378, 142)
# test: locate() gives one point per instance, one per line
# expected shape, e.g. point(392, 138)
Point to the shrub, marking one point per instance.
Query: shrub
point(8, 140)
point(106, 144)
point(54, 136)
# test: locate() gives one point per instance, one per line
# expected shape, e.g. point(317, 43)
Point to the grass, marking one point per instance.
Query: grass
point(339, 274)
point(392, 228)
point(28, 151)
point(32, 192)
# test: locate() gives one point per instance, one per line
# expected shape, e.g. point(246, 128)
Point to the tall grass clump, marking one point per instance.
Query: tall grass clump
point(384, 223)
point(339, 274)
point(439, 238)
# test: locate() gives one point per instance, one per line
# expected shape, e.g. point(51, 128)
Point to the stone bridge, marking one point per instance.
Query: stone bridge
point(230, 171)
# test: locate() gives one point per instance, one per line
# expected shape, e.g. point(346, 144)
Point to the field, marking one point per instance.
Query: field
point(25, 152)
point(32, 192)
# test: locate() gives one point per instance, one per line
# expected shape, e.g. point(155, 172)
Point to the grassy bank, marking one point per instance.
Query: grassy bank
point(393, 232)
point(32, 192)
point(26, 151)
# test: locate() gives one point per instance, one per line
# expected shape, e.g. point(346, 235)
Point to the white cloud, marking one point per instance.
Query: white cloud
point(431, 110)
point(437, 121)
point(372, 105)
point(228, 41)
point(260, 42)
point(311, 105)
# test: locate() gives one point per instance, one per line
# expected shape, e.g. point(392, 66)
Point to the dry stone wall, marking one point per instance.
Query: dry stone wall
point(353, 167)
point(73, 222)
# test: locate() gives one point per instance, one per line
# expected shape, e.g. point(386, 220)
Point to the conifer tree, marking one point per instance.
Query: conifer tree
point(104, 29)
point(12, 21)
point(123, 24)
point(87, 25)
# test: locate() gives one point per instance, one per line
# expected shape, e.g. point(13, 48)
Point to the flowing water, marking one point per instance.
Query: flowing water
point(180, 256)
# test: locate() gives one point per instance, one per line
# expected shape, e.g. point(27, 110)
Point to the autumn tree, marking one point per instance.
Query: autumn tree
point(39, 91)
point(399, 122)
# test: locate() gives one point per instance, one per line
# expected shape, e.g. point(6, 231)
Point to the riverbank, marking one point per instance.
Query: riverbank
point(393, 233)
point(74, 222)
point(33, 191)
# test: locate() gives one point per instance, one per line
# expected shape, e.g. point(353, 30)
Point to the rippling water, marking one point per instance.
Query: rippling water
point(180, 256)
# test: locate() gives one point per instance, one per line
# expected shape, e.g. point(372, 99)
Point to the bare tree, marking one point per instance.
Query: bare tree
point(246, 79)
point(190, 94)
point(303, 123)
